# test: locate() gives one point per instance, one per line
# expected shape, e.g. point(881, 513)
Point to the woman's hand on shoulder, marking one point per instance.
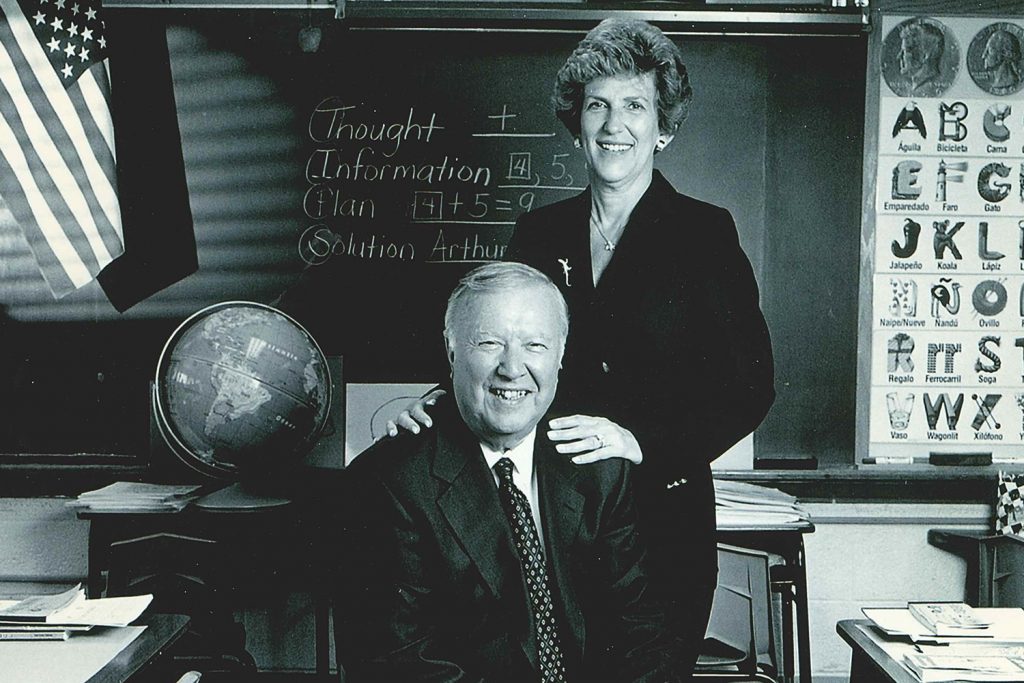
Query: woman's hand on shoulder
point(590, 439)
point(415, 416)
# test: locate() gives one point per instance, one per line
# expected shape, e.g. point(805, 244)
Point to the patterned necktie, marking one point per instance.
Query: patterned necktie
point(531, 556)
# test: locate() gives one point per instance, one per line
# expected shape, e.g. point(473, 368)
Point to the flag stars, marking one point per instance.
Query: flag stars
point(69, 50)
point(90, 13)
point(60, 4)
point(54, 44)
point(102, 42)
point(73, 29)
point(57, 24)
point(67, 71)
point(83, 55)
point(75, 10)
point(86, 35)
point(40, 18)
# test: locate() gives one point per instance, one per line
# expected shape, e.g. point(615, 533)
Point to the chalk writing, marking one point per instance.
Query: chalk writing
point(322, 201)
point(470, 250)
point(431, 206)
point(331, 120)
point(319, 243)
point(503, 132)
point(431, 170)
point(329, 164)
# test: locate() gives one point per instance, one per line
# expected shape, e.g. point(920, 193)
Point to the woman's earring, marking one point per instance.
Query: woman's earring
point(658, 146)
point(576, 143)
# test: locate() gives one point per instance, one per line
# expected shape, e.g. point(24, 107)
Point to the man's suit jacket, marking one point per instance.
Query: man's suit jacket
point(439, 593)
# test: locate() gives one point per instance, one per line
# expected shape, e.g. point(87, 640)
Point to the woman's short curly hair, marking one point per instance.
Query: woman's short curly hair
point(624, 46)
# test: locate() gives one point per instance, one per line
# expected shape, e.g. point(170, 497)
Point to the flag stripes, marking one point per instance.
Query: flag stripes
point(57, 171)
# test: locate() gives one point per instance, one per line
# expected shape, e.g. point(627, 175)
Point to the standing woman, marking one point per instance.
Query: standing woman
point(669, 345)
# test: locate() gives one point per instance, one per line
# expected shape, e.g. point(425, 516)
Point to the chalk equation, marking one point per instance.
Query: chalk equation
point(377, 175)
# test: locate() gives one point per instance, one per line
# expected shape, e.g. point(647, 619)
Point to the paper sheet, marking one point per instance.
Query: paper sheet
point(63, 661)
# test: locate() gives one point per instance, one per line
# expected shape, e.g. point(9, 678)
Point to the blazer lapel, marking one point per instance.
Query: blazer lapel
point(640, 242)
point(470, 504)
point(562, 513)
point(571, 243)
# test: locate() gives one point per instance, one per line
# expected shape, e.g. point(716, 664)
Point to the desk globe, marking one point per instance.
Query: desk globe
point(242, 393)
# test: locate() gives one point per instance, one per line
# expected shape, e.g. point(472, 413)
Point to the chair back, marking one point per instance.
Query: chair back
point(740, 642)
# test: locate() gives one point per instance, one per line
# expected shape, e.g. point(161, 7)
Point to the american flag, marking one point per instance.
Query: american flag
point(57, 172)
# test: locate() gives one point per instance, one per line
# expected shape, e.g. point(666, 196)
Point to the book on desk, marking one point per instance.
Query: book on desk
point(943, 668)
point(62, 615)
point(137, 497)
point(949, 618)
point(1004, 625)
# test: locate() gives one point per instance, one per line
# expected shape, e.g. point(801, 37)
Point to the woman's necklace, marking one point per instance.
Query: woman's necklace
point(608, 244)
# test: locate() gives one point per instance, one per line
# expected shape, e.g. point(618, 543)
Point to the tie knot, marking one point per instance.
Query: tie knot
point(504, 469)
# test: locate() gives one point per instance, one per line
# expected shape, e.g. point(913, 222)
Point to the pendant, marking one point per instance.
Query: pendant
point(608, 246)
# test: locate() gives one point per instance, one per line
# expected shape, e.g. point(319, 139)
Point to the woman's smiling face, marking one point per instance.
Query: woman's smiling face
point(619, 128)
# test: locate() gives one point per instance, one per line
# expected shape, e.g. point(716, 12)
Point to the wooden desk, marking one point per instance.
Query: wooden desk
point(22, 658)
point(789, 580)
point(871, 661)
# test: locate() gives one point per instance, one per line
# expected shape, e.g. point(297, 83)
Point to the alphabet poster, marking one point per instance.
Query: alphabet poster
point(947, 347)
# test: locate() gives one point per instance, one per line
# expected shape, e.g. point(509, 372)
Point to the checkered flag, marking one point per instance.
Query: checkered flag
point(1010, 507)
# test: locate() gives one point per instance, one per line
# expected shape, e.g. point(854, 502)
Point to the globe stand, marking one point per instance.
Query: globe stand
point(237, 497)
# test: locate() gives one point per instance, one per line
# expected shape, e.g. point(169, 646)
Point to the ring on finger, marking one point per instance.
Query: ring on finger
point(600, 442)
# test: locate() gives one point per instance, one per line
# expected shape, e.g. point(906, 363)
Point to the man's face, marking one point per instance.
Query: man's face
point(995, 51)
point(505, 354)
point(911, 53)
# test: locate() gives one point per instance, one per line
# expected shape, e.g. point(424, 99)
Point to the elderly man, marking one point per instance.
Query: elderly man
point(484, 554)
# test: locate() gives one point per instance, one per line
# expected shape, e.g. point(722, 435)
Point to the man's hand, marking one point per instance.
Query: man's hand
point(593, 439)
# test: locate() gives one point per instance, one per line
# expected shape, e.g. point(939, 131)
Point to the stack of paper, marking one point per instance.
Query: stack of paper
point(933, 668)
point(57, 617)
point(127, 496)
point(739, 504)
point(1005, 625)
point(948, 618)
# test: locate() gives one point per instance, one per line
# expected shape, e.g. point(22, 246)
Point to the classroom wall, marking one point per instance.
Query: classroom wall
point(859, 554)
point(877, 554)
point(774, 134)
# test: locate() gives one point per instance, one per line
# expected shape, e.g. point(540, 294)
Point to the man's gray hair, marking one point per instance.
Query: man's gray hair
point(497, 276)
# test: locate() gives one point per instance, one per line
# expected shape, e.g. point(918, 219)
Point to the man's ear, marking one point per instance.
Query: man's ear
point(449, 348)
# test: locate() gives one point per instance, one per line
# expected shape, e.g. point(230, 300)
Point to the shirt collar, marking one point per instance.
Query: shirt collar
point(521, 454)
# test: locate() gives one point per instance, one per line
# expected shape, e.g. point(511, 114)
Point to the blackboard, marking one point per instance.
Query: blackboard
point(408, 156)
point(389, 163)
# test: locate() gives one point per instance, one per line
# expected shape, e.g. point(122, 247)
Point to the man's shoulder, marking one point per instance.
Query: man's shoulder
point(406, 460)
point(391, 457)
